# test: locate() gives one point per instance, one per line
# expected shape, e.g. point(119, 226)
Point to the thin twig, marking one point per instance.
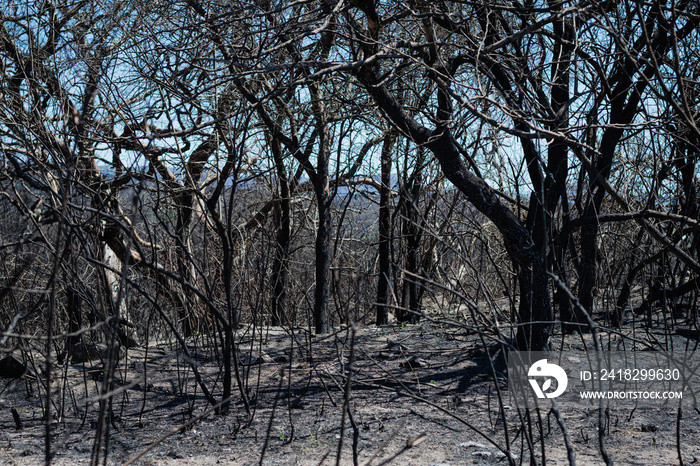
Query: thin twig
point(175, 430)
point(272, 417)
point(383, 445)
point(8, 455)
point(411, 443)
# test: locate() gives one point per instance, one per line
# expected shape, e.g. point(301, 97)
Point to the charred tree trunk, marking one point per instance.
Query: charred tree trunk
point(280, 314)
point(321, 184)
point(321, 181)
point(75, 322)
point(411, 297)
point(384, 233)
point(557, 163)
point(323, 260)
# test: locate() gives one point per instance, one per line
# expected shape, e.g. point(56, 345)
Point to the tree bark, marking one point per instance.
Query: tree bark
point(557, 163)
point(384, 232)
point(323, 260)
point(412, 219)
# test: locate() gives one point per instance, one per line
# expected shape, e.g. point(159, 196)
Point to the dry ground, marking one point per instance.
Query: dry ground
point(422, 392)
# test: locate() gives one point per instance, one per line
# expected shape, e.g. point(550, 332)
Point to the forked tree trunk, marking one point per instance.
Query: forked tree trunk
point(535, 311)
